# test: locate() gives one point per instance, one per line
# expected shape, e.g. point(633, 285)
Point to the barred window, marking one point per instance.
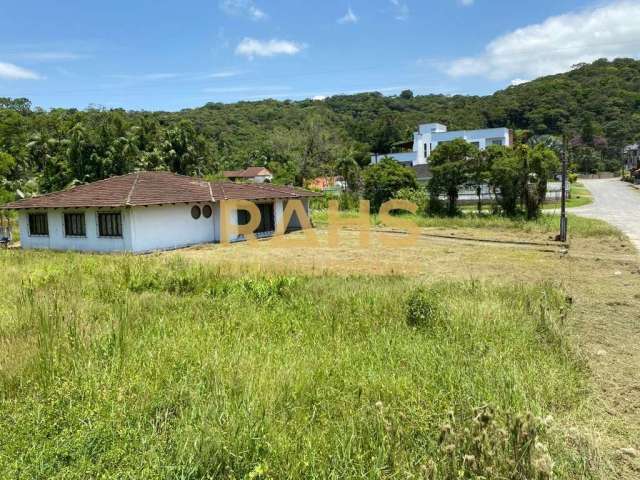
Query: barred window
point(109, 225)
point(38, 224)
point(74, 225)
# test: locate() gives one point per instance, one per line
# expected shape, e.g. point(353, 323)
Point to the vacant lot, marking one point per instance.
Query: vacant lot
point(481, 349)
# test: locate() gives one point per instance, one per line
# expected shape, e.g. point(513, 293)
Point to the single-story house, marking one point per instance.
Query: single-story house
point(147, 211)
point(250, 174)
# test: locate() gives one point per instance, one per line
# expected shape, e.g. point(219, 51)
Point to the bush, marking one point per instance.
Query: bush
point(423, 308)
point(415, 195)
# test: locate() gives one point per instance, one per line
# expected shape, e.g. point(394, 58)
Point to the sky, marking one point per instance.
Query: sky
point(169, 54)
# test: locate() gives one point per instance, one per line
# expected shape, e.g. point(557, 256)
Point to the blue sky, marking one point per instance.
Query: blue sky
point(152, 54)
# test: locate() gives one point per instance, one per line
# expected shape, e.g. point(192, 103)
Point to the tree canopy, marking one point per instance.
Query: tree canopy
point(596, 106)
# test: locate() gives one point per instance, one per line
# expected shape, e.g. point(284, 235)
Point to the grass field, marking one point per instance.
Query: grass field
point(451, 358)
point(580, 196)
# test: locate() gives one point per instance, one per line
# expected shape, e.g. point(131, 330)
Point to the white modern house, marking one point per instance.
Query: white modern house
point(148, 211)
point(430, 135)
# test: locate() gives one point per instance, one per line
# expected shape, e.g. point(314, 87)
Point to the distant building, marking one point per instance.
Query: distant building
point(250, 174)
point(430, 135)
point(327, 184)
point(631, 155)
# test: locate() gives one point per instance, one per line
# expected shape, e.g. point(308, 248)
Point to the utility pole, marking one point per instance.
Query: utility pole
point(563, 201)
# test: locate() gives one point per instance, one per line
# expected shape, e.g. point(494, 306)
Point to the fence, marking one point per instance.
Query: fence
point(469, 196)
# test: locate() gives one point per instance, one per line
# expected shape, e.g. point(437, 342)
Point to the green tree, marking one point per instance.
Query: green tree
point(451, 164)
point(505, 179)
point(348, 168)
point(406, 94)
point(542, 163)
point(384, 179)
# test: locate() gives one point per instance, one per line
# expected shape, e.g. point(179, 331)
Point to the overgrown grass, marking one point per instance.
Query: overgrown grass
point(545, 224)
point(140, 367)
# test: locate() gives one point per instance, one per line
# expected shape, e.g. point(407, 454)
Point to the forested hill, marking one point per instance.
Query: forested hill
point(596, 104)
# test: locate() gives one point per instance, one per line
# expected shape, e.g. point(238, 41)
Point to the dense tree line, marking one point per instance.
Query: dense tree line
point(596, 107)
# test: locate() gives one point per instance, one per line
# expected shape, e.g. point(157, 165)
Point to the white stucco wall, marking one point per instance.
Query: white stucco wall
point(57, 240)
point(144, 229)
point(262, 178)
point(170, 226)
point(429, 135)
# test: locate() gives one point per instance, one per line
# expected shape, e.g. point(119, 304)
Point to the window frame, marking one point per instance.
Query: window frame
point(46, 223)
point(84, 224)
point(98, 225)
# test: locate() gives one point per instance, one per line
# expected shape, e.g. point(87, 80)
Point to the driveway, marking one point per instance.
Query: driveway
point(615, 202)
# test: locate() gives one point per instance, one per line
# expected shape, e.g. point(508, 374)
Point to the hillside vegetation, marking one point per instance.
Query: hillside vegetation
point(597, 105)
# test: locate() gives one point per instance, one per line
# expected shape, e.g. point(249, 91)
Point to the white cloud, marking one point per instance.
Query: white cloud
point(149, 76)
point(10, 71)
point(224, 74)
point(242, 8)
point(518, 81)
point(319, 98)
point(556, 44)
point(466, 3)
point(348, 17)
point(250, 47)
point(401, 9)
point(49, 56)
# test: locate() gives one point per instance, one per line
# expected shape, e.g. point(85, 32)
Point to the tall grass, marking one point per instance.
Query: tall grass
point(579, 226)
point(139, 367)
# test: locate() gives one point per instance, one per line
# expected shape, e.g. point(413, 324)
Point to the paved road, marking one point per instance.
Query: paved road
point(615, 202)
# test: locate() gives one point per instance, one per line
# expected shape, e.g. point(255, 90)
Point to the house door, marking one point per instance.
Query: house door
point(267, 218)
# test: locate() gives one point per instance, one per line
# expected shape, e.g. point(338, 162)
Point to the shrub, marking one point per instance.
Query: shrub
point(415, 195)
point(423, 308)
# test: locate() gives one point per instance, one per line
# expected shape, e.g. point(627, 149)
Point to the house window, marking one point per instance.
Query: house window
point(426, 151)
point(38, 224)
point(495, 141)
point(476, 144)
point(109, 225)
point(74, 225)
point(195, 212)
point(206, 211)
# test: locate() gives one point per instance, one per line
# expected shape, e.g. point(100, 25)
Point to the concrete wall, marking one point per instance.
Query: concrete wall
point(170, 226)
point(57, 240)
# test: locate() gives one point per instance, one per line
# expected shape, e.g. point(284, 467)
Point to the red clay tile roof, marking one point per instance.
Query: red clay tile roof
point(249, 172)
point(155, 188)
